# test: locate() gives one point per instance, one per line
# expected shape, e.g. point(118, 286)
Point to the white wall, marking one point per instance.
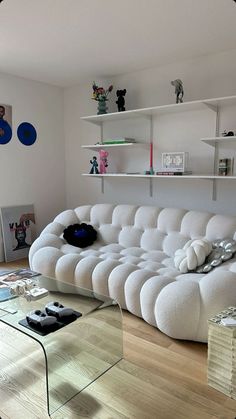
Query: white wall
point(204, 77)
point(34, 174)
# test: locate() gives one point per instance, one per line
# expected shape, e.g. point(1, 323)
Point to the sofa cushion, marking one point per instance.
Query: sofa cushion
point(192, 255)
point(80, 235)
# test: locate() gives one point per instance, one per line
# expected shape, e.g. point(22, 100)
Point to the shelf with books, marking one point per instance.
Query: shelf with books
point(223, 167)
point(97, 147)
point(214, 106)
point(139, 175)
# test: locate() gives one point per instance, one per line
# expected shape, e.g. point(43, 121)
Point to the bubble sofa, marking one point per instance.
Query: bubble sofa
point(132, 261)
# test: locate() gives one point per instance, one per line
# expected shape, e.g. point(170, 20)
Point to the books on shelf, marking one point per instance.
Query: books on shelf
point(8, 278)
point(119, 140)
point(165, 173)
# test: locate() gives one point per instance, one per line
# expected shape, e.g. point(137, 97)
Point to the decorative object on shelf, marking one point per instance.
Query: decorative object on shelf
point(5, 124)
point(103, 164)
point(80, 235)
point(151, 170)
point(26, 133)
point(227, 133)
point(94, 168)
point(100, 95)
point(121, 101)
point(179, 90)
point(16, 231)
point(225, 167)
point(176, 161)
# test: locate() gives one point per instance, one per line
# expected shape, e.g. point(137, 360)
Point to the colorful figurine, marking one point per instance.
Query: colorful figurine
point(94, 168)
point(100, 95)
point(121, 101)
point(103, 164)
point(179, 90)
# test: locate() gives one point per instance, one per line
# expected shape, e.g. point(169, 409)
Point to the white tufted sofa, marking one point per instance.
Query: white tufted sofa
point(132, 261)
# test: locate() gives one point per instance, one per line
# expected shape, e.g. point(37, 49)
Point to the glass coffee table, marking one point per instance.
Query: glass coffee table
point(78, 353)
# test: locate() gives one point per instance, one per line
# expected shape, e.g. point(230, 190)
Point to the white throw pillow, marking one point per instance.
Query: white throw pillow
point(192, 255)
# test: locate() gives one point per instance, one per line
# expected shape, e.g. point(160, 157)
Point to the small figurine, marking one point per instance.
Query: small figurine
point(100, 95)
point(227, 133)
point(103, 161)
point(121, 101)
point(179, 90)
point(94, 168)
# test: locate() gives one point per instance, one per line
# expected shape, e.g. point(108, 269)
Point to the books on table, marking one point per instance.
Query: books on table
point(9, 277)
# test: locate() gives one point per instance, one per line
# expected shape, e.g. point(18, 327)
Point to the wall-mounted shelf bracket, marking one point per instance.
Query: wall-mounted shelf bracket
point(150, 187)
point(214, 190)
point(102, 184)
point(213, 108)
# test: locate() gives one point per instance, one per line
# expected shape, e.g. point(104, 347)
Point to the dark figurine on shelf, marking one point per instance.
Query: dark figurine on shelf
point(121, 100)
point(179, 90)
point(94, 168)
point(227, 133)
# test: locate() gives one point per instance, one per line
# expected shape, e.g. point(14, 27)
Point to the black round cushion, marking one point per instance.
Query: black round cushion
point(80, 235)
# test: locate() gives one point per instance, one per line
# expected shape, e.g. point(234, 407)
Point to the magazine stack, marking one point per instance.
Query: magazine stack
point(222, 352)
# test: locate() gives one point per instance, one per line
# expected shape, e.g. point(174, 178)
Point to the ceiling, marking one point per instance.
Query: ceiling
point(64, 42)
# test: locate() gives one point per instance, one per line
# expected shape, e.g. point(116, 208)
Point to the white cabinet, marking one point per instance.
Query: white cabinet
point(215, 105)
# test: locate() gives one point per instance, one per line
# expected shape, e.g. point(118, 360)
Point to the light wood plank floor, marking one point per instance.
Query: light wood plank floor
point(159, 378)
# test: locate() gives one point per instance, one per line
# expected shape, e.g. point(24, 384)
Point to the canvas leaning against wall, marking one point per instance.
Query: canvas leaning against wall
point(16, 229)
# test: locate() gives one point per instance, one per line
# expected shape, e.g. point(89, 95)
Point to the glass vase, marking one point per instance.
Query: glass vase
point(102, 107)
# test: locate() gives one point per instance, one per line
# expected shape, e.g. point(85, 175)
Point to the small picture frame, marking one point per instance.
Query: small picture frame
point(226, 167)
point(16, 230)
point(176, 161)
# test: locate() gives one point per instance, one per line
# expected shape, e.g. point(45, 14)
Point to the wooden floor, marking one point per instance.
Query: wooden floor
point(159, 378)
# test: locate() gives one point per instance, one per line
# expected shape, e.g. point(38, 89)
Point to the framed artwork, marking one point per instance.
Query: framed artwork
point(175, 161)
point(5, 123)
point(16, 230)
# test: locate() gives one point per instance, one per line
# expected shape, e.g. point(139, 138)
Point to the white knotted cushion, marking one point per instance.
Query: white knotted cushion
point(192, 255)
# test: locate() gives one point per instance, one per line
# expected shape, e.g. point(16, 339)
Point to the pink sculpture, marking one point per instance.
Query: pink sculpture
point(103, 164)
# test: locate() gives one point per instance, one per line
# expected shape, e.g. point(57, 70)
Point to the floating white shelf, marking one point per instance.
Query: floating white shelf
point(158, 176)
point(97, 147)
point(164, 109)
point(213, 105)
point(216, 140)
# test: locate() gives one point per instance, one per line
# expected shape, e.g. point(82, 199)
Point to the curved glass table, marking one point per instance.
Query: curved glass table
point(77, 354)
